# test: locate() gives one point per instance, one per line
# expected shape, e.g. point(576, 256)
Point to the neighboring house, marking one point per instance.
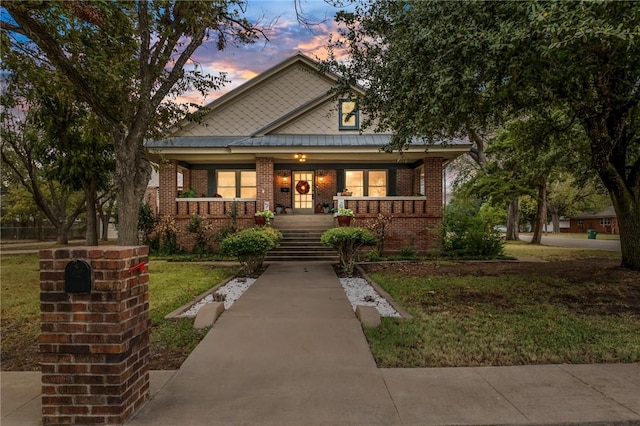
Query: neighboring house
point(605, 222)
point(282, 139)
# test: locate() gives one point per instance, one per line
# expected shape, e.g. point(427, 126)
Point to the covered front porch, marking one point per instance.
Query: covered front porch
point(227, 180)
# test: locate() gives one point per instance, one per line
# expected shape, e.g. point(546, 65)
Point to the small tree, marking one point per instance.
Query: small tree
point(250, 246)
point(347, 241)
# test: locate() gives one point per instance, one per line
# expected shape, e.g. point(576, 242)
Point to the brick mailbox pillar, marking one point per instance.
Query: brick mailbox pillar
point(94, 345)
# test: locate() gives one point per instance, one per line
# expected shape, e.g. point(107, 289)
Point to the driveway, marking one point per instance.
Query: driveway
point(549, 240)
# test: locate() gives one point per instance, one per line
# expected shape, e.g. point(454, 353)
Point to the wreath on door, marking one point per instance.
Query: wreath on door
point(302, 187)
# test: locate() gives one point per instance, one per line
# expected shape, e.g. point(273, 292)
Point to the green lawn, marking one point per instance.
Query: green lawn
point(511, 319)
point(171, 285)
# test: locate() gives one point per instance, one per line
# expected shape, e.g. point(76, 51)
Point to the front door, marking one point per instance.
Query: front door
point(303, 193)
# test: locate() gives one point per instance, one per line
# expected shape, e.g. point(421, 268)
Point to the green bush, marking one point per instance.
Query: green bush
point(146, 223)
point(408, 253)
point(250, 246)
point(468, 233)
point(198, 226)
point(168, 235)
point(347, 241)
point(373, 256)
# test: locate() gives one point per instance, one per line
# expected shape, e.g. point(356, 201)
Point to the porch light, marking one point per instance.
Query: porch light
point(300, 157)
point(285, 179)
point(321, 179)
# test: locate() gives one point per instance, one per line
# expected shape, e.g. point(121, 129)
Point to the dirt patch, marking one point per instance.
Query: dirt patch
point(606, 288)
point(584, 270)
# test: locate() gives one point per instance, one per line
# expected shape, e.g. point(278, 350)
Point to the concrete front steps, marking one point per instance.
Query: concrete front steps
point(301, 238)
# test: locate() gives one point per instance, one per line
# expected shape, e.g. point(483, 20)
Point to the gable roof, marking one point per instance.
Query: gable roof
point(286, 109)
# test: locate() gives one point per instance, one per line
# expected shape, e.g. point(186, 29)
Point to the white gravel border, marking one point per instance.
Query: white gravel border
point(358, 290)
point(233, 290)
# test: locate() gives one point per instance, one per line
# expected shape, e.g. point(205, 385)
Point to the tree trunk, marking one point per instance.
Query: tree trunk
point(513, 220)
point(629, 225)
point(92, 220)
point(62, 233)
point(104, 219)
point(541, 213)
point(131, 178)
point(555, 219)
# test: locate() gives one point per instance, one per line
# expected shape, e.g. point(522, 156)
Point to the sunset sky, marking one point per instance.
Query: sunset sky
point(286, 37)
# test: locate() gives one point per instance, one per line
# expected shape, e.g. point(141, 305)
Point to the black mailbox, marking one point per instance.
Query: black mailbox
point(78, 277)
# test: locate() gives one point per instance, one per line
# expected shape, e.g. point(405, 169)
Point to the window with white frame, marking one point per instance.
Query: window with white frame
point(236, 183)
point(370, 183)
point(605, 221)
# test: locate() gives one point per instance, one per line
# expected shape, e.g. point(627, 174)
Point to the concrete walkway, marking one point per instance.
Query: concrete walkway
point(290, 351)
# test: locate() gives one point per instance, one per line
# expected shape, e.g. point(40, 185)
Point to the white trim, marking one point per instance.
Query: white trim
point(216, 199)
point(390, 198)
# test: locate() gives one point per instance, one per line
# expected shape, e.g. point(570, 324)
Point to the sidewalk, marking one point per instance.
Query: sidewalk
point(290, 351)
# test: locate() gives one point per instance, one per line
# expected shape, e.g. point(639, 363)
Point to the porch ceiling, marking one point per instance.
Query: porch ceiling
point(318, 148)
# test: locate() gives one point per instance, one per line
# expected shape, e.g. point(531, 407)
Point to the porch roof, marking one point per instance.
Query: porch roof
point(326, 148)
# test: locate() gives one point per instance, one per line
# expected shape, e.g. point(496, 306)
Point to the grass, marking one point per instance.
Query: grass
point(505, 320)
point(19, 308)
point(171, 285)
point(549, 253)
point(583, 236)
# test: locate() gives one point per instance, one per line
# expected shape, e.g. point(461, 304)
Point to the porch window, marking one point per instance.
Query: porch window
point(371, 183)
point(237, 183)
point(348, 115)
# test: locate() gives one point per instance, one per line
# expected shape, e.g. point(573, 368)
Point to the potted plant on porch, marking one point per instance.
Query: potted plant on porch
point(344, 216)
point(263, 217)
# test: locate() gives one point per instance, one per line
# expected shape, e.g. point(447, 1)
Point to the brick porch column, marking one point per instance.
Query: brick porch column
point(94, 346)
point(264, 183)
point(168, 177)
point(433, 185)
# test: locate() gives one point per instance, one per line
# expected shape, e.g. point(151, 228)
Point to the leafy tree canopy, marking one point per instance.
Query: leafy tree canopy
point(127, 61)
point(440, 69)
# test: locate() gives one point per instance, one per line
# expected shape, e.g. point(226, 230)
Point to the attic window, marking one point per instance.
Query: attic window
point(348, 115)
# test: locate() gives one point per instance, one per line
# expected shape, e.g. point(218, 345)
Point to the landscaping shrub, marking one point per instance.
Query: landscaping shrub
point(198, 226)
point(347, 241)
point(168, 234)
point(146, 225)
point(468, 233)
point(379, 226)
point(250, 246)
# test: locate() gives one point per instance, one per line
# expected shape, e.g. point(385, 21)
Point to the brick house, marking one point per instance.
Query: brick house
point(283, 140)
point(605, 222)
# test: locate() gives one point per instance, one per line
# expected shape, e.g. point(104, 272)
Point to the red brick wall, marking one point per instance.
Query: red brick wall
point(593, 223)
point(199, 182)
point(283, 198)
point(186, 179)
point(265, 179)
point(95, 347)
point(416, 180)
point(404, 182)
point(168, 176)
point(433, 185)
point(327, 189)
